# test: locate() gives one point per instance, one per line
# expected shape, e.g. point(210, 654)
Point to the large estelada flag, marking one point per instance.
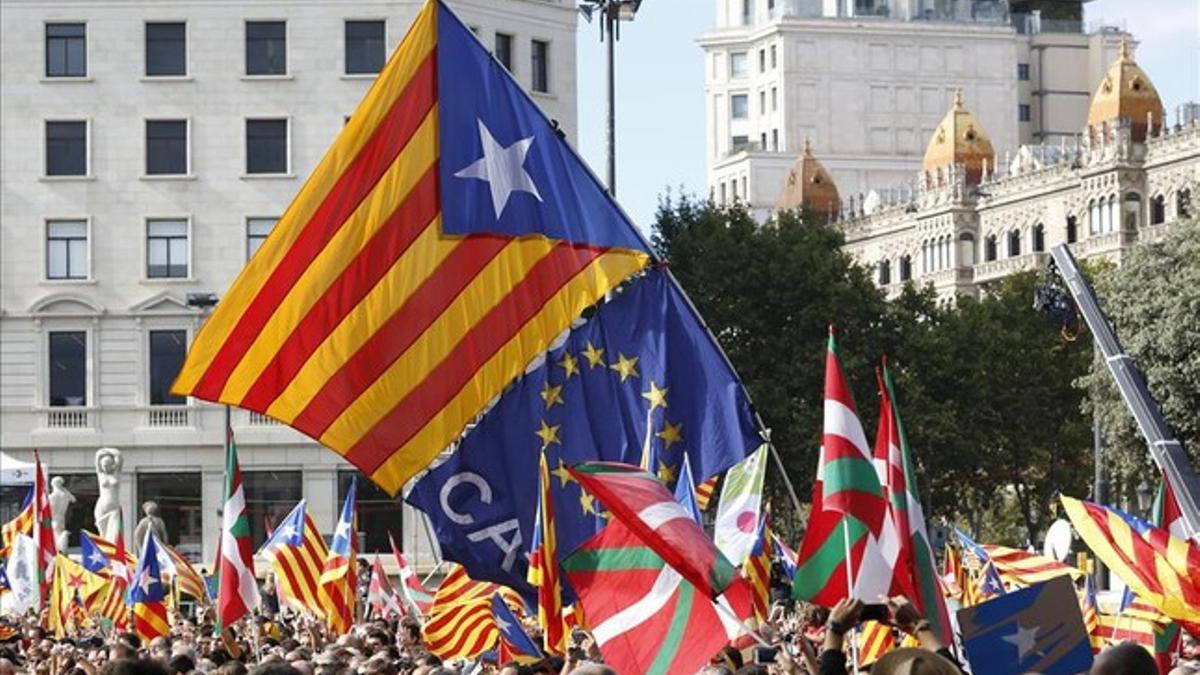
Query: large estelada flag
point(442, 243)
point(644, 615)
point(297, 553)
point(1035, 629)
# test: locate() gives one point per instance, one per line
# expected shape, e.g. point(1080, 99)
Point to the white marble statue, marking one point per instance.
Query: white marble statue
point(60, 499)
point(108, 504)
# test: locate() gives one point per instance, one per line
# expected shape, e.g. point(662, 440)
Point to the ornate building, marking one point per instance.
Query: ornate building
point(970, 218)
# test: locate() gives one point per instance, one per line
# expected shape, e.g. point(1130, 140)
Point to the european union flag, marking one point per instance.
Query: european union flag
point(640, 371)
point(1038, 629)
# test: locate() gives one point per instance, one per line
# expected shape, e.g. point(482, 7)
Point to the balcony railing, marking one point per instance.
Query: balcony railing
point(258, 419)
point(169, 417)
point(995, 269)
point(68, 418)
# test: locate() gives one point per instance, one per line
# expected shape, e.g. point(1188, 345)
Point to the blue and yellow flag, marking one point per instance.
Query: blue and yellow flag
point(640, 370)
point(515, 643)
point(441, 244)
point(1034, 629)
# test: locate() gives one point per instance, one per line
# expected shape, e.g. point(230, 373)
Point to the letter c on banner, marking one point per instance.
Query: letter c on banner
point(485, 495)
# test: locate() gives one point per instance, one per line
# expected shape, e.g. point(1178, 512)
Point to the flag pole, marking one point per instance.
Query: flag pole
point(729, 614)
point(850, 587)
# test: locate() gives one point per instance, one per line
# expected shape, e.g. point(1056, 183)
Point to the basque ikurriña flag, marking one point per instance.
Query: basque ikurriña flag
point(442, 243)
point(641, 366)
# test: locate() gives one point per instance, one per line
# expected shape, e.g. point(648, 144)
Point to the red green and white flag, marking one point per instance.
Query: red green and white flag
point(848, 507)
point(739, 512)
point(640, 501)
point(237, 590)
point(645, 617)
point(419, 598)
point(43, 532)
point(917, 576)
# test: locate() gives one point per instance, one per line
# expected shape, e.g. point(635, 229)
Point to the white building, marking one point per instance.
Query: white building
point(868, 80)
point(148, 148)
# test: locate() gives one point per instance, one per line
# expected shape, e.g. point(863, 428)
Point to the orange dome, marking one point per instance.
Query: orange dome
point(809, 185)
point(959, 139)
point(1126, 93)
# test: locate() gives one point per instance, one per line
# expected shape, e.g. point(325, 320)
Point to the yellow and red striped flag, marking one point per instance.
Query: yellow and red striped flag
point(70, 581)
point(297, 552)
point(757, 570)
point(440, 245)
point(187, 579)
point(543, 568)
point(462, 630)
point(110, 603)
point(22, 523)
point(875, 639)
point(1025, 568)
point(458, 588)
point(704, 492)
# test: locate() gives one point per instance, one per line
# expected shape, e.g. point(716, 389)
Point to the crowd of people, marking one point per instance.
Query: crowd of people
point(805, 639)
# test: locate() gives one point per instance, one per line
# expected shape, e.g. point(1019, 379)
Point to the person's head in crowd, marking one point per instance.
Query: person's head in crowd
point(121, 651)
point(232, 667)
point(752, 669)
point(180, 664)
point(913, 661)
point(1127, 658)
point(275, 668)
point(593, 669)
point(133, 667)
point(7, 667)
point(728, 658)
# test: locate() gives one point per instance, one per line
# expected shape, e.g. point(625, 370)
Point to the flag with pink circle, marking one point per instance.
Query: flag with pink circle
point(741, 503)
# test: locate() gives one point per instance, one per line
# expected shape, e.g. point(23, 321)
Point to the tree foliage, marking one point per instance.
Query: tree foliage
point(985, 387)
point(1153, 302)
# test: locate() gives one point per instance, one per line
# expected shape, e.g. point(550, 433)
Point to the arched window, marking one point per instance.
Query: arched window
point(966, 249)
point(905, 268)
point(1158, 210)
point(885, 272)
point(946, 252)
point(1014, 243)
point(989, 248)
point(1131, 211)
point(1072, 230)
point(1111, 219)
point(1183, 204)
point(1039, 238)
point(1094, 217)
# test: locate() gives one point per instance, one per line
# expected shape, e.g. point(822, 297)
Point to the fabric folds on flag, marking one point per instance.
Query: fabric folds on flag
point(22, 523)
point(71, 582)
point(736, 531)
point(645, 616)
point(543, 568)
point(148, 595)
point(757, 570)
point(237, 589)
point(297, 553)
point(1091, 615)
point(642, 362)
point(875, 639)
point(110, 603)
point(705, 491)
point(685, 490)
point(637, 499)
point(105, 558)
point(461, 623)
point(187, 579)
point(440, 245)
point(458, 587)
point(415, 593)
point(382, 598)
point(1155, 565)
point(339, 575)
point(1025, 568)
point(515, 644)
point(43, 531)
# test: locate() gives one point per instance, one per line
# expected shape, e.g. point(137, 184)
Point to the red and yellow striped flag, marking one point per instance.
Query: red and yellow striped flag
point(297, 552)
point(543, 568)
point(1025, 568)
point(187, 579)
point(704, 492)
point(757, 570)
point(874, 640)
point(405, 286)
point(110, 603)
point(461, 624)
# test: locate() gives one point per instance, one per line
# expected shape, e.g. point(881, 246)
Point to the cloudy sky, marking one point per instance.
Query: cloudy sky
point(660, 87)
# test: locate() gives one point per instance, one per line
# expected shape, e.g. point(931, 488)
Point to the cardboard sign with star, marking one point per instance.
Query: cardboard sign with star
point(1038, 629)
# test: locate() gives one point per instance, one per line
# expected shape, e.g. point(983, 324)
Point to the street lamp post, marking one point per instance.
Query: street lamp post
point(611, 14)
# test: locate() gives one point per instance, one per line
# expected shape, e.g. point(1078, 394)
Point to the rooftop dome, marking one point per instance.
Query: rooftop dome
point(1126, 93)
point(959, 139)
point(809, 184)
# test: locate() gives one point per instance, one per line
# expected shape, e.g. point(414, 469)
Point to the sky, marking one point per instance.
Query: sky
point(660, 87)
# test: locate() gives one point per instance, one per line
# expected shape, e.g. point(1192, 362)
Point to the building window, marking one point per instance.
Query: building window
point(1039, 238)
point(747, 12)
point(504, 50)
point(68, 368)
point(774, 99)
point(378, 514)
point(762, 103)
point(989, 248)
point(167, 249)
point(270, 496)
point(1014, 243)
point(1023, 113)
point(364, 47)
point(762, 60)
point(1158, 210)
point(774, 57)
point(774, 140)
point(66, 249)
point(1023, 72)
point(266, 48)
point(539, 57)
point(167, 349)
point(179, 505)
point(737, 65)
point(1072, 230)
point(257, 230)
point(166, 49)
point(745, 189)
point(66, 50)
point(66, 149)
point(905, 268)
point(739, 142)
point(266, 146)
point(885, 272)
point(166, 147)
point(724, 196)
point(1183, 204)
point(1093, 217)
point(739, 106)
point(733, 189)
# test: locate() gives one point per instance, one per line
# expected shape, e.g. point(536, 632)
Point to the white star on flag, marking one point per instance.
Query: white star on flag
point(96, 557)
point(502, 625)
point(502, 169)
point(1025, 639)
point(146, 581)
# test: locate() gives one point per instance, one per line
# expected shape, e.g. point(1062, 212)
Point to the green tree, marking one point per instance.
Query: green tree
point(1153, 302)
